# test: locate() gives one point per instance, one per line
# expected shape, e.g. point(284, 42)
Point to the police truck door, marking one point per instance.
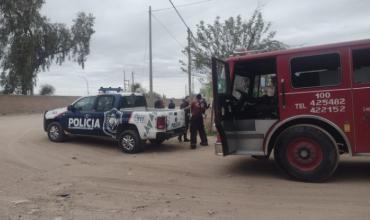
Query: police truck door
point(80, 120)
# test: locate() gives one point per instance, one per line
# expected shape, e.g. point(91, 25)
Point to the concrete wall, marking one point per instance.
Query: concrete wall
point(18, 104)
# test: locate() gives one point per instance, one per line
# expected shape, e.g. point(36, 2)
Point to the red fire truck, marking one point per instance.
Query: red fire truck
point(307, 105)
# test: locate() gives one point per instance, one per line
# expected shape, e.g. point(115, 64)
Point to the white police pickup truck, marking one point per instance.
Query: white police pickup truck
point(122, 116)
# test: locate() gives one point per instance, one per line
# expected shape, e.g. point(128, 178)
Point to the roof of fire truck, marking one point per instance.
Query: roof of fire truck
point(258, 54)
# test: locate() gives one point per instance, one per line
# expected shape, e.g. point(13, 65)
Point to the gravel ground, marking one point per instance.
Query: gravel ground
point(86, 178)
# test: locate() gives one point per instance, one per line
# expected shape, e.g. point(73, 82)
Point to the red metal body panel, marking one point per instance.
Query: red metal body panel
point(345, 105)
point(361, 110)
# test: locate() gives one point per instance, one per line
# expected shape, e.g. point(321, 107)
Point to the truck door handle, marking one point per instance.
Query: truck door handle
point(283, 93)
point(366, 114)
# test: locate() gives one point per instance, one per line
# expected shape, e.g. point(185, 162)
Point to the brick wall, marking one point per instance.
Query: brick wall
point(18, 104)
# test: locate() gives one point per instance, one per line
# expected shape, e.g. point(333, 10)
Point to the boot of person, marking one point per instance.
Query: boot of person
point(186, 139)
point(180, 139)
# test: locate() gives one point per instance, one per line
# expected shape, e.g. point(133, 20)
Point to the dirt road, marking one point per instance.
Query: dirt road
point(91, 179)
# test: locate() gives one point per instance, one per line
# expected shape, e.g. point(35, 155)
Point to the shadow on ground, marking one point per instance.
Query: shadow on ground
point(352, 171)
point(251, 167)
point(107, 143)
point(347, 171)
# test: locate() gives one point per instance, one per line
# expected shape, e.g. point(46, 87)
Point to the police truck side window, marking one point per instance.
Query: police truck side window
point(85, 104)
point(315, 71)
point(361, 65)
point(104, 103)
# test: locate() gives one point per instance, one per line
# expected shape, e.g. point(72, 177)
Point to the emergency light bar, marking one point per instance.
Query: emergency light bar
point(110, 89)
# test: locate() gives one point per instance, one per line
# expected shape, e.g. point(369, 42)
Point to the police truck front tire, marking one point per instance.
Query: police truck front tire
point(129, 142)
point(307, 153)
point(55, 132)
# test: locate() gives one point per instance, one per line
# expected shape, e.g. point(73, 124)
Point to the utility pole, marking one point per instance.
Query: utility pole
point(188, 49)
point(87, 84)
point(124, 81)
point(189, 62)
point(150, 58)
point(150, 52)
point(132, 81)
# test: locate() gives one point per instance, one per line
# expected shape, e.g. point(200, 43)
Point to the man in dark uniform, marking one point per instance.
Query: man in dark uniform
point(159, 103)
point(186, 106)
point(171, 105)
point(196, 123)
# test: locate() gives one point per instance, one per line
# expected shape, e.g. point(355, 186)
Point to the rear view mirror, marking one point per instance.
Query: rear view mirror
point(71, 108)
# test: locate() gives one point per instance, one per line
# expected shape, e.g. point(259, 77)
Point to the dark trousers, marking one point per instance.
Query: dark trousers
point(186, 130)
point(197, 125)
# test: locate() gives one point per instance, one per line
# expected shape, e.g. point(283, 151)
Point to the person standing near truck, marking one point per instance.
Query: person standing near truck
point(159, 103)
point(171, 105)
point(196, 123)
point(186, 106)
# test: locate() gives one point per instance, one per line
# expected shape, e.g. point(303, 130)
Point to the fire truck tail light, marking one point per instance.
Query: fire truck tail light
point(161, 122)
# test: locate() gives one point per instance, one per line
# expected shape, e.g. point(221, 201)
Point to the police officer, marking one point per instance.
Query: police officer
point(171, 105)
point(196, 123)
point(186, 106)
point(159, 103)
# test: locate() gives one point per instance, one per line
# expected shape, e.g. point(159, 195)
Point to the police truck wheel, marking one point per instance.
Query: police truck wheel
point(129, 141)
point(55, 132)
point(306, 153)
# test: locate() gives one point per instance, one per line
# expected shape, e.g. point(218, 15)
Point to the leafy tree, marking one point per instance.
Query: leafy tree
point(47, 89)
point(29, 43)
point(221, 39)
point(136, 87)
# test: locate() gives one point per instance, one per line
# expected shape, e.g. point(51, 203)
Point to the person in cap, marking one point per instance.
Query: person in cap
point(186, 106)
point(171, 105)
point(197, 123)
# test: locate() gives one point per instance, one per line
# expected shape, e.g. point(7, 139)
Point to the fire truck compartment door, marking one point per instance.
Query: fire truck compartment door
point(246, 136)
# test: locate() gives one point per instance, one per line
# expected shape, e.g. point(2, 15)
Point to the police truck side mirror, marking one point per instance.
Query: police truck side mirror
point(71, 108)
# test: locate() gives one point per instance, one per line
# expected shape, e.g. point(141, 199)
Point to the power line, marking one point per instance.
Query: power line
point(180, 16)
point(186, 25)
point(167, 30)
point(183, 5)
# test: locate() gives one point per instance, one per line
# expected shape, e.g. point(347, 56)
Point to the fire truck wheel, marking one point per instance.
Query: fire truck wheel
point(129, 142)
point(306, 153)
point(55, 132)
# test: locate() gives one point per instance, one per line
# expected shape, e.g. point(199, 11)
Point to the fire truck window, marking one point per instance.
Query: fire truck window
point(361, 65)
point(264, 85)
point(241, 85)
point(255, 80)
point(221, 76)
point(314, 71)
